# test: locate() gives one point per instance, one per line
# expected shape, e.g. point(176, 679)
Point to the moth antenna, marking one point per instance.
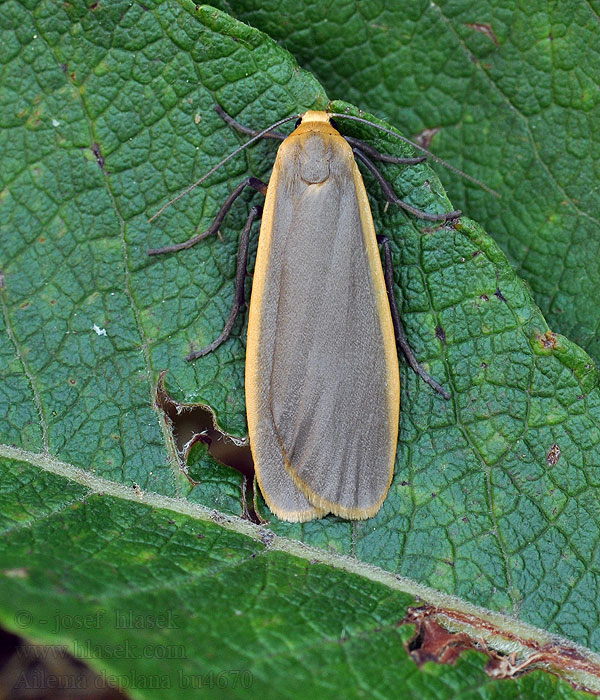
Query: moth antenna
point(423, 150)
point(188, 189)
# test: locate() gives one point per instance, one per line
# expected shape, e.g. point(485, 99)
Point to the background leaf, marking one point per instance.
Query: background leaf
point(107, 111)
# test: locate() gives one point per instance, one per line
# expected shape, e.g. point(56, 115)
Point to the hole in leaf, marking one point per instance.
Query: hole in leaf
point(435, 640)
point(196, 423)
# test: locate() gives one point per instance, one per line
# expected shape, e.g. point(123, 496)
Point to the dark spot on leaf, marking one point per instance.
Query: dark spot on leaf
point(95, 148)
point(440, 334)
point(553, 455)
point(476, 253)
point(425, 137)
point(484, 29)
point(465, 519)
point(94, 6)
point(547, 340)
point(64, 68)
point(217, 517)
point(171, 521)
point(500, 296)
point(72, 381)
point(200, 536)
point(267, 537)
point(484, 297)
point(484, 365)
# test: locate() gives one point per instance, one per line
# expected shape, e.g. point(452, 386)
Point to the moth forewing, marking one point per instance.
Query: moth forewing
point(322, 381)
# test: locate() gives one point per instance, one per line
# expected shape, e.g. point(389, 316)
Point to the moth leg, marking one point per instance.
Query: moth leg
point(398, 329)
point(371, 152)
point(253, 182)
point(240, 278)
point(391, 197)
point(244, 129)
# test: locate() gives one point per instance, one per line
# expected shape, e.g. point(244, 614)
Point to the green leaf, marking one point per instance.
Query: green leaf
point(513, 90)
point(176, 605)
point(106, 113)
